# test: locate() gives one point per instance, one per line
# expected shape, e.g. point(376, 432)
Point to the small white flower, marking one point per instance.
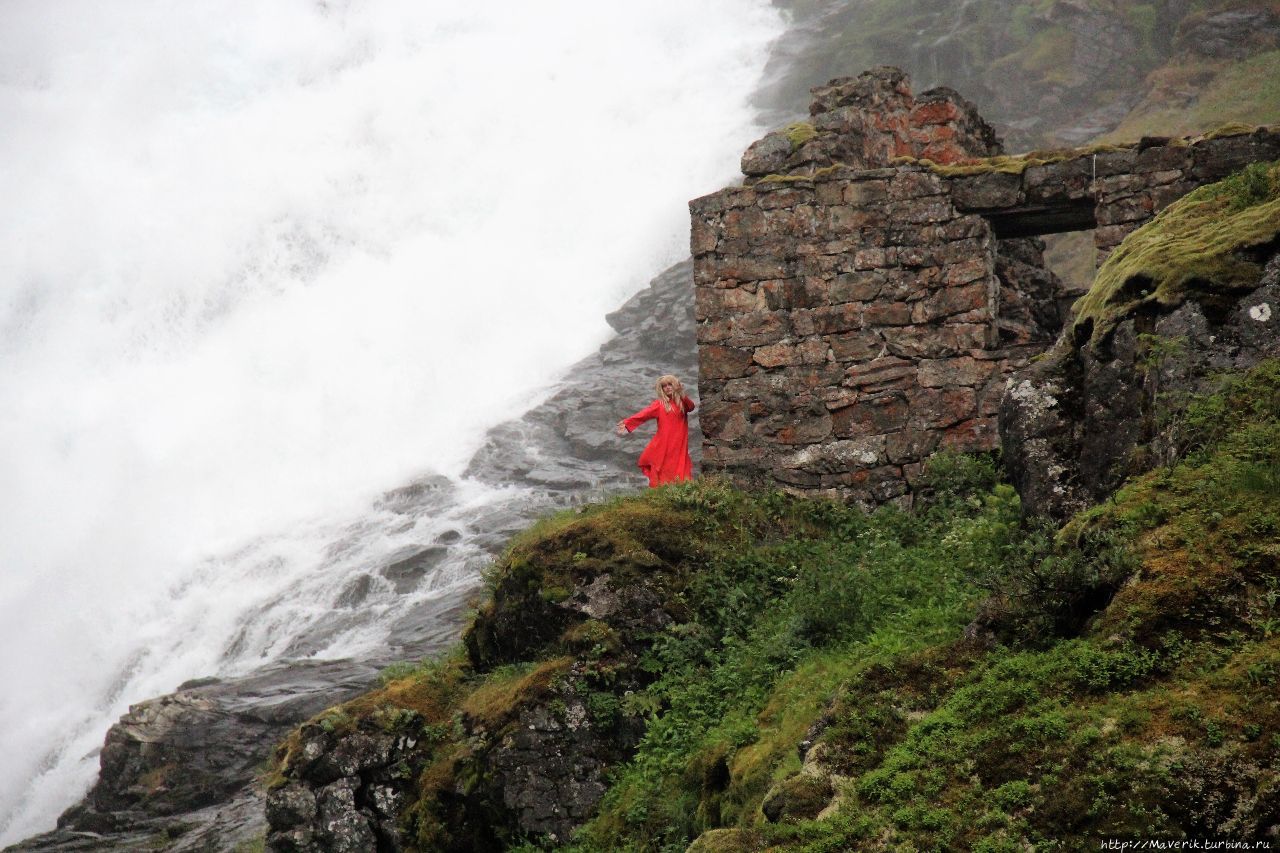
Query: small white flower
point(1261, 313)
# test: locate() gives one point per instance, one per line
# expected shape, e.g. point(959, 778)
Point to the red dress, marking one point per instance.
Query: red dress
point(666, 459)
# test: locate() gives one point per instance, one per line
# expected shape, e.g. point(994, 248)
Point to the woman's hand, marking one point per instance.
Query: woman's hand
point(620, 428)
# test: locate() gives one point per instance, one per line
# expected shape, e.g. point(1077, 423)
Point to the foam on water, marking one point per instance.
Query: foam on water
point(261, 261)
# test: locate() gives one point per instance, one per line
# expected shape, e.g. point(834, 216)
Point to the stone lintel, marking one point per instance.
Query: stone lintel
point(1037, 220)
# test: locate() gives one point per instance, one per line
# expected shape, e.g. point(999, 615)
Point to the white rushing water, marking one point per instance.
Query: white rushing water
point(261, 261)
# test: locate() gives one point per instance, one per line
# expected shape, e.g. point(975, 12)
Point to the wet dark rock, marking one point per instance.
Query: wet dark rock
point(182, 767)
point(343, 828)
point(408, 572)
point(355, 592)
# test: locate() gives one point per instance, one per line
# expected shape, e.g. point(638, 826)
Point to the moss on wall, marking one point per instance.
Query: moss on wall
point(1202, 242)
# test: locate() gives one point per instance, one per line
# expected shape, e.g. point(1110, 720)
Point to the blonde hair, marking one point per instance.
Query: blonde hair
point(662, 395)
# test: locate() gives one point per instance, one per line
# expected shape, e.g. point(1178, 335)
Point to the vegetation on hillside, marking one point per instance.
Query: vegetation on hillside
point(1120, 679)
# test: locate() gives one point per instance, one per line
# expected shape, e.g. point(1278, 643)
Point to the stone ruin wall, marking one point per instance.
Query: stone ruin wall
point(857, 312)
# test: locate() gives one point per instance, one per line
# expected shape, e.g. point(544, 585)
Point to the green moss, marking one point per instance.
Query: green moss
point(1234, 128)
point(727, 841)
point(1011, 164)
point(803, 176)
point(1198, 243)
point(800, 132)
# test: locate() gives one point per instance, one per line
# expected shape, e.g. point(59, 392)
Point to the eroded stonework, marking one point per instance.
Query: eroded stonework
point(860, 308)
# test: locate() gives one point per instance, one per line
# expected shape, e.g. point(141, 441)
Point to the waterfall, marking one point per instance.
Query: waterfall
point(261, 263)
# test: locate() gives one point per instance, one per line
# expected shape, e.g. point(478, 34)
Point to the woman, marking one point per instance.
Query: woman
point(666, 459)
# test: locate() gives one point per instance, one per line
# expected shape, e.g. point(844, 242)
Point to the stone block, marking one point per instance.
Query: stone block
point(801, 222)
point(936, 408)
point(748, 268)
point(817, 291)
point(714, 331)
point(910, 445)
point(1061, 180)
point(1131, 208)
point(767, 155)
point(829, 193)
point(965, 370)
point(703, 236)
point(877, 485)
point(870, 416)
point(879, 371)
point(813, 351)
point(733, 456)
point(916, 256)
point(1108, 163)
point(835, 457)
point(964, 251)
point(990, 191)
point(857, 286)
point(869, 258)
point(759, 328)
point(837, 398)
point(971, 436)
point(1162, 197)
point(828, 319)
point(966, 271)
point(723, 421)
point(971, 225)
point(794, 477)
point(741, 223)
point(855, 346)
point(782, 194)
point(950, 301)
point(916, 183)
point(939, 112)
point(722, 362)
point(1216, 158)
point(776, 355)
point(1162, 158)
point(920, 211)
point(935, 341)
point(845, 219)
point(1109, 236)
point(878, 314)
point(782, 295)
point(910, 285)
point(712, 302)
point(1156, 179)
point(709, 205)
point(862, 193)
point(804, 430)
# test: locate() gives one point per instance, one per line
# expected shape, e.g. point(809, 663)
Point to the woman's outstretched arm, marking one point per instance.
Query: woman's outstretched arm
point(648, 413)
point(689, 404)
